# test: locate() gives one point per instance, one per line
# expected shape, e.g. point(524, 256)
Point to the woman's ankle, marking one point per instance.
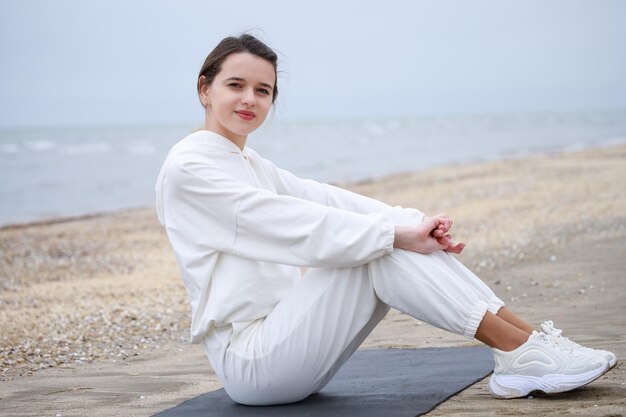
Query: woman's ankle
point(511, 344)
point(499, 334)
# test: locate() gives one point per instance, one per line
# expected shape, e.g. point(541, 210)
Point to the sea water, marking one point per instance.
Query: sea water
point(59, 172)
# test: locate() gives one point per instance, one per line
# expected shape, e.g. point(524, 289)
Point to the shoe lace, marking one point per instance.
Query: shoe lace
point(550, 341)
point(558, 333)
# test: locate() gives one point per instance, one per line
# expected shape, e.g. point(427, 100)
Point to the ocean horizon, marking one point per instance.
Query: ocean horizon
point(74, 171)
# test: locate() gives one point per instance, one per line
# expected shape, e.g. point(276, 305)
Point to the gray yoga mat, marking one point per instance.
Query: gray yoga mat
point(372, 383)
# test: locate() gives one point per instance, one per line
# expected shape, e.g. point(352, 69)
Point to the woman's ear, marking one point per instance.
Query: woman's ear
point(203, 88)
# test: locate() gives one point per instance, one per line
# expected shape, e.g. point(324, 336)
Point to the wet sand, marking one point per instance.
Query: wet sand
point(93, 316)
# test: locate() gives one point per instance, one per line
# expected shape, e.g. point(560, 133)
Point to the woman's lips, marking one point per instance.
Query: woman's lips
point(245, 115)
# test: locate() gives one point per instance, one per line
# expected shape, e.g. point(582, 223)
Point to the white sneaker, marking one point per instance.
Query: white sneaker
point(541, 364)
point(556, 334)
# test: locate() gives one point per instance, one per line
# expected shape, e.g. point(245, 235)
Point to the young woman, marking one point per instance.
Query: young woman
point(241, 228)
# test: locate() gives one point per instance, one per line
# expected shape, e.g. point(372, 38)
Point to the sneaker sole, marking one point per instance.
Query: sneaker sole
point(612, 362)
point(516, 386)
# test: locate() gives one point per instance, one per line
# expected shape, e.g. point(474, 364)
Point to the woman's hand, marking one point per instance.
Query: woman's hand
point(442, 235)
point(428, 237)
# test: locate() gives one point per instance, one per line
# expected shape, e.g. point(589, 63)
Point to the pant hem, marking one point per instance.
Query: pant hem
point(479, 311)
point(495, 304)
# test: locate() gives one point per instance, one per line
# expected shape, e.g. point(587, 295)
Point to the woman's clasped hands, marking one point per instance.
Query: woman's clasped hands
point(427, 237)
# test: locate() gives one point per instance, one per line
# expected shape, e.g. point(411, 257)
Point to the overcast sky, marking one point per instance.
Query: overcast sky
point(82, 62)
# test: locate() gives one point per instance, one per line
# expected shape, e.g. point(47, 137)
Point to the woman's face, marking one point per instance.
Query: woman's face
point(240, 96)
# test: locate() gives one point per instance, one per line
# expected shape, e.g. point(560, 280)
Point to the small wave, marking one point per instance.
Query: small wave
point(277, 147)
point(140, 148)
point(9, 148)
point(394, 124)
point(39, 145)
point(85, 148)
point(574, 147)
point(580, 146)
point(375, 129)
point(614, 141)
point(363, 140)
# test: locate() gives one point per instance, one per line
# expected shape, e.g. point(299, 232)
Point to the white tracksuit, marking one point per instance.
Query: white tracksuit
point(241, 228)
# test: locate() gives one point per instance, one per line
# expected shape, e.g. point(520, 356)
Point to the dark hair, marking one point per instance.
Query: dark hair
point(233, 45)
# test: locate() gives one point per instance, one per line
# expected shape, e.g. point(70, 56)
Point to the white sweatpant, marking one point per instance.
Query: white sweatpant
point(303, 342)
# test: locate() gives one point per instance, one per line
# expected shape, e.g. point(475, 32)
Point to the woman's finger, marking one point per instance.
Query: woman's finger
point(458, 248)
point(438, 233)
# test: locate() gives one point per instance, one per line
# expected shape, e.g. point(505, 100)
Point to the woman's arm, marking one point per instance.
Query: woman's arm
point(329, 195)
point(205, 209)
point(432, 235)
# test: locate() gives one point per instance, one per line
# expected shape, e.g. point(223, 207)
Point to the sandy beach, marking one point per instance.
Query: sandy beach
point(94, 319)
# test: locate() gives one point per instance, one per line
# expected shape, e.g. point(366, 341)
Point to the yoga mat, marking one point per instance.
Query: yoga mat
point(372, 383)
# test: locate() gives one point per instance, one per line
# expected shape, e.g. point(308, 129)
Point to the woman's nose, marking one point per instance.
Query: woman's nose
point(248, 97)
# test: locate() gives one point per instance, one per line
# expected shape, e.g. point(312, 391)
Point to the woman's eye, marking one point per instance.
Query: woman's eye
point(235, 85)
point(263, 91)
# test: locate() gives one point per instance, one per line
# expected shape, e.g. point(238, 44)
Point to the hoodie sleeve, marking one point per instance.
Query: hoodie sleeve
point(211, 210)
point(289, 184)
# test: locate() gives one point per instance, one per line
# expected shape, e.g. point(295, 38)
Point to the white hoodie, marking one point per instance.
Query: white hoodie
point(240, 229)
